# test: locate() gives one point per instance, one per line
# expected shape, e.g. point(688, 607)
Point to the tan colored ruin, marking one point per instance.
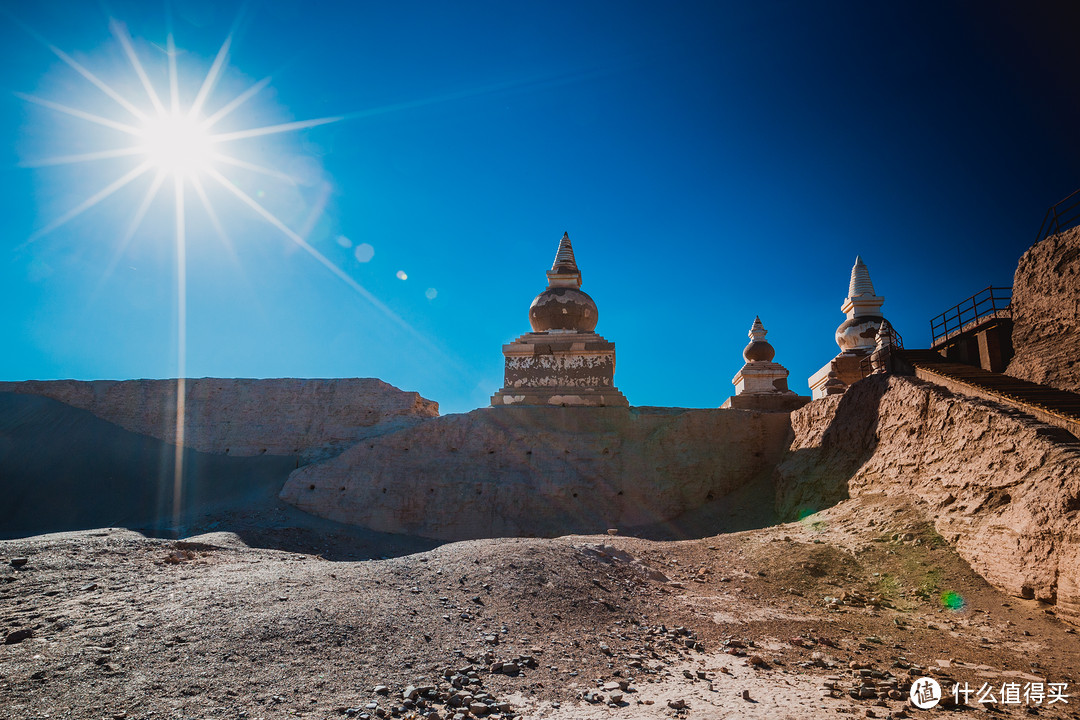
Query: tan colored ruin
point(562, 361)
point(761, 384)
point(856, 336)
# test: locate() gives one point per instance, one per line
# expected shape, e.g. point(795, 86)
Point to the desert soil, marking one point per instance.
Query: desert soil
point(783, 622)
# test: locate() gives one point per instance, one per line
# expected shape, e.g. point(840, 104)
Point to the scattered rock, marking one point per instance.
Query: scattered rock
point(17, 636)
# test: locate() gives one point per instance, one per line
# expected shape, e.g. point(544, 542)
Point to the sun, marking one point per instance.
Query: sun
point(176, 144)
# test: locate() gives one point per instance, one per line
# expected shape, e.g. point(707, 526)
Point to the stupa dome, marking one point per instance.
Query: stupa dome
point(858, 332)
point(759, 349)
point(563, 306)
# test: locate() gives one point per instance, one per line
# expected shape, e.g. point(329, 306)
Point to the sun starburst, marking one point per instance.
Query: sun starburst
point(171, 140)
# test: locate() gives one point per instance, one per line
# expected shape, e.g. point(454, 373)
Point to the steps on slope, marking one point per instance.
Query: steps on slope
point(1057, 407)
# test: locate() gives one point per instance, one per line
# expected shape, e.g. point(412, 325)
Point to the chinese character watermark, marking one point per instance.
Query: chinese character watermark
point(925, 693)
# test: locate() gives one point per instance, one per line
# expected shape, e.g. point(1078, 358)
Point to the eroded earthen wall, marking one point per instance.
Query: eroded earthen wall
point(1001, 487)
point(543, 471)
point(1046, 313)
point(311, 418)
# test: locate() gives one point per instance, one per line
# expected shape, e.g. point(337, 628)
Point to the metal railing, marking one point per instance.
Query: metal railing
point(992, 302)
point(882, 360)
point(1060, 216)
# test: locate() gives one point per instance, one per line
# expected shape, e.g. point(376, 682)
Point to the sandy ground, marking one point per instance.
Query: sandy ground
point(124, 626)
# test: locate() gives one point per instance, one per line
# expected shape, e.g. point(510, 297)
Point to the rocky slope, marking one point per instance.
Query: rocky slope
point(541, 470)
point(1046, 313)
point(310, 418)
point(831, 617)
point(1001, 487)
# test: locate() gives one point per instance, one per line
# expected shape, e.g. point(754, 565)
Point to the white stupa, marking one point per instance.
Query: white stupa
point(761, 384)
point(856, 336)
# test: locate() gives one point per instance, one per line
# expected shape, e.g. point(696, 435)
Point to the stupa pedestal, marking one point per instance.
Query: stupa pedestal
point(761, 384)
point(856, 336)
point(563, 361)
point(548, 368)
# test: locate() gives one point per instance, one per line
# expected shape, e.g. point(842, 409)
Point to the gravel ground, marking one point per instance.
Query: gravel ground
point(789, 621)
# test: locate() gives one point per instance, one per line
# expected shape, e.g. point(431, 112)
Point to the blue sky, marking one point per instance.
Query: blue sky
point(711, 162)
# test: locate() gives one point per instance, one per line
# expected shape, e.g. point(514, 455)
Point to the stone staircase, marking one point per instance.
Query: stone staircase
point(1053, 406)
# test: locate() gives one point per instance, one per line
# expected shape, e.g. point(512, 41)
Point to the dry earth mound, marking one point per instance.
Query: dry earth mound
point(831, 617)
point(1003, 488)
point(310, 418)
point(1046, 313)
point(542, 471)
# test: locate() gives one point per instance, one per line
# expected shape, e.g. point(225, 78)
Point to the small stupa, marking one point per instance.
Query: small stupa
point(562, 361)
point(856, 336)
point(761, 384)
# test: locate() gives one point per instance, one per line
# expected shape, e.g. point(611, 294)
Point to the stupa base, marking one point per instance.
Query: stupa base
point(561, 396)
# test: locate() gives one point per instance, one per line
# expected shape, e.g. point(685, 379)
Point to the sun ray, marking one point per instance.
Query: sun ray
point(121, 34)
point(301, 242)
point(90, 202)
point(136, 221)
point(174, 87)
point(131, 130)
point(329, 265)
point(226, 241)
point(317, 209)
point(274, 129)
point(83, 157)
point(211, 78)
point(97, 82)
point(210, 212)
point(181, 348)
point(235, 103)
point(229, 160)
point(141, 211)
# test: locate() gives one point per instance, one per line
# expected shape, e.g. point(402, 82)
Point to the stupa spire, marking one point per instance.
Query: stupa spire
point(757, 330)
point(564, 271)
point(860, 279)
point(861, 299)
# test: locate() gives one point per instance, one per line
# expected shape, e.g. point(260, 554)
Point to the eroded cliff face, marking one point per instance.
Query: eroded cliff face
point(1046, 313)
point(541, 471)
point(310, 418)
point(1001, 487)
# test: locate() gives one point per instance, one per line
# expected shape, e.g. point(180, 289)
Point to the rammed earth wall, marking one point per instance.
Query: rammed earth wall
point(999, 485)
point(309, 418)
point(543, 471)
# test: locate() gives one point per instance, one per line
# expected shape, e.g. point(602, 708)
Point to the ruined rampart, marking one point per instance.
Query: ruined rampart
point(1001, 487)
point(241, 417)
point(541, 471)
point(1046, 313)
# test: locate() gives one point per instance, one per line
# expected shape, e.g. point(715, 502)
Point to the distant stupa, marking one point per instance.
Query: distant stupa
point(856, 336)
point(562, 361)
point(761, 384)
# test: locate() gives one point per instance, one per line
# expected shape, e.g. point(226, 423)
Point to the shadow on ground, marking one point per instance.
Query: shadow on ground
point(62, 468)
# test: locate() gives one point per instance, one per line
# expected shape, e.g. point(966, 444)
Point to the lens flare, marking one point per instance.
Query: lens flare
point(364, 253)
point(952, 600)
